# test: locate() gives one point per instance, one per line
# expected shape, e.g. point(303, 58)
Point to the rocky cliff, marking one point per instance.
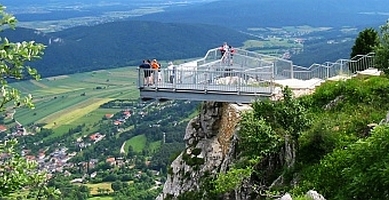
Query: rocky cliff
point(210, 148)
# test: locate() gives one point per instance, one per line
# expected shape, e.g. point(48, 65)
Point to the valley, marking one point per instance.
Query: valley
point(90, 131)
point(89, 128)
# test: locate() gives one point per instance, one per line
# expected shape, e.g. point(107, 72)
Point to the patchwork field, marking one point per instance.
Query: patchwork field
point(64, 102)
point(72, 113)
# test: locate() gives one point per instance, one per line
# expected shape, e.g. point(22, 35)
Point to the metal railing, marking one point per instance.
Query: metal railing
point(344, 67)
point(210, 80)
point(243, 72)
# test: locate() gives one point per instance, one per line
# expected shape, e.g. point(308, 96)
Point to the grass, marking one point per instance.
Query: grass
point(104, 185)
point(72, 113)
point(137, 143)
point(95, 186)
point(100, 198)
point(155, 145)
point(72, 100)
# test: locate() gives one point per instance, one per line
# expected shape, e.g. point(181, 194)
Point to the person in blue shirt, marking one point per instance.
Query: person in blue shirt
point(146, 71)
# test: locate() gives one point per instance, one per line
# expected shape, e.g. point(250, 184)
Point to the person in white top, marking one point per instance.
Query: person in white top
point(171, 71)
point(223, 50)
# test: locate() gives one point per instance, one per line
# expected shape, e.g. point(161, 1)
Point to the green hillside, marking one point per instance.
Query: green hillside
point(123, 43)
point(331, 141)
point(67, 101)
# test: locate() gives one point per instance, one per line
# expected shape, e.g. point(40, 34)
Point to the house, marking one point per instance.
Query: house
point(126, 114)
point(41, 155)
point(77, 180)
point(2, 128)
point(108, 116)
point(30, 157)
point(111, 161)
point(95, 136)
point(94, 174)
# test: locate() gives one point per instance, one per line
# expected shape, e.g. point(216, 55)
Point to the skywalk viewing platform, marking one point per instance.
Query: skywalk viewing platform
point(241, 77)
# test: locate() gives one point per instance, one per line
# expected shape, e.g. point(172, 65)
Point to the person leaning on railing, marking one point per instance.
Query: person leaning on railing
point(145, 66)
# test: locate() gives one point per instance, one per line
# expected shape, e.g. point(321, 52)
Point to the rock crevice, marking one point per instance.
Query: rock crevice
point(210, 140)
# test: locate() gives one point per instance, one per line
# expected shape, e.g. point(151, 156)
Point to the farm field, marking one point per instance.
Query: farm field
point(66, 101)
point(272, 43)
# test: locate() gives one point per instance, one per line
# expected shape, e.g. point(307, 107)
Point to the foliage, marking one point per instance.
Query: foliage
point(262, 135)
point(286, 117)
point(361, 165)
point(258, 138)
point(90, 44)
point(231, 180)
point(118, 185)
point(12, 62)
point(382, 50)
point(365, 43)
point(17, 173)
point(335, 145)
point(318, 141)
point(339, 147)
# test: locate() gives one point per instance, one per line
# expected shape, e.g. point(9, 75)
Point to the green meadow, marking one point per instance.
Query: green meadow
point(66, 101)
point(137, 143)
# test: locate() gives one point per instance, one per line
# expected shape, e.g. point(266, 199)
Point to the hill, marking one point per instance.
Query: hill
point(334, 141)
point(114, 44)
point(277, 13)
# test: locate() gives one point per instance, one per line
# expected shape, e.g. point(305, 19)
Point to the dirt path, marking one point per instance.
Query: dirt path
point(122, 148)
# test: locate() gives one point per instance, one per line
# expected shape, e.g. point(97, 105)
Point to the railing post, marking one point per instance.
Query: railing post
point(175, 75)
point(205, 82)
point(238, 86)
point(272, 84)
point(140, 79)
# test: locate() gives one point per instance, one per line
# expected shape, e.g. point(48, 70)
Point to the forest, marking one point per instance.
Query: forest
point(87, 48)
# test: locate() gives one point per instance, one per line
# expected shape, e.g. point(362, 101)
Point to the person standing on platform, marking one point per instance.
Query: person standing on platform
point(145, 66)
point(155, 68)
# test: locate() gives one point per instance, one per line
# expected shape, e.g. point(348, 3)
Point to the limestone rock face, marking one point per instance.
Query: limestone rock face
point(311, 194)
point(314, 195)
point(210, 143)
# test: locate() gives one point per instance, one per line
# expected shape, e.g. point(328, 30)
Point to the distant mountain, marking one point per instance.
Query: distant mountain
point(115, 44)
point(276, 13)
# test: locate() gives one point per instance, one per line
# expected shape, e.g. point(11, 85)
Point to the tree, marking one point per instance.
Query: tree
point(16, 172)
point(116, 186)
point(382, 50)
point(12, 62)
point(365, 43)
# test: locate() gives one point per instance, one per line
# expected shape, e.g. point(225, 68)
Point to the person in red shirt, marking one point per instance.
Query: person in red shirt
point(155, 66)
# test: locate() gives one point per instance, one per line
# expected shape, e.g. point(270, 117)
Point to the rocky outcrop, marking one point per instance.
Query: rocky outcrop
point(211, 140)
point(311, 195)
point(210, 148)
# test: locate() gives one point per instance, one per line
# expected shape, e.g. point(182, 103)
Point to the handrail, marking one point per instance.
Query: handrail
point(243, 73)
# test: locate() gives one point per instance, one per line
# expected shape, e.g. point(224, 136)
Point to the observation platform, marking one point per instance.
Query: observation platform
point(241, 77)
